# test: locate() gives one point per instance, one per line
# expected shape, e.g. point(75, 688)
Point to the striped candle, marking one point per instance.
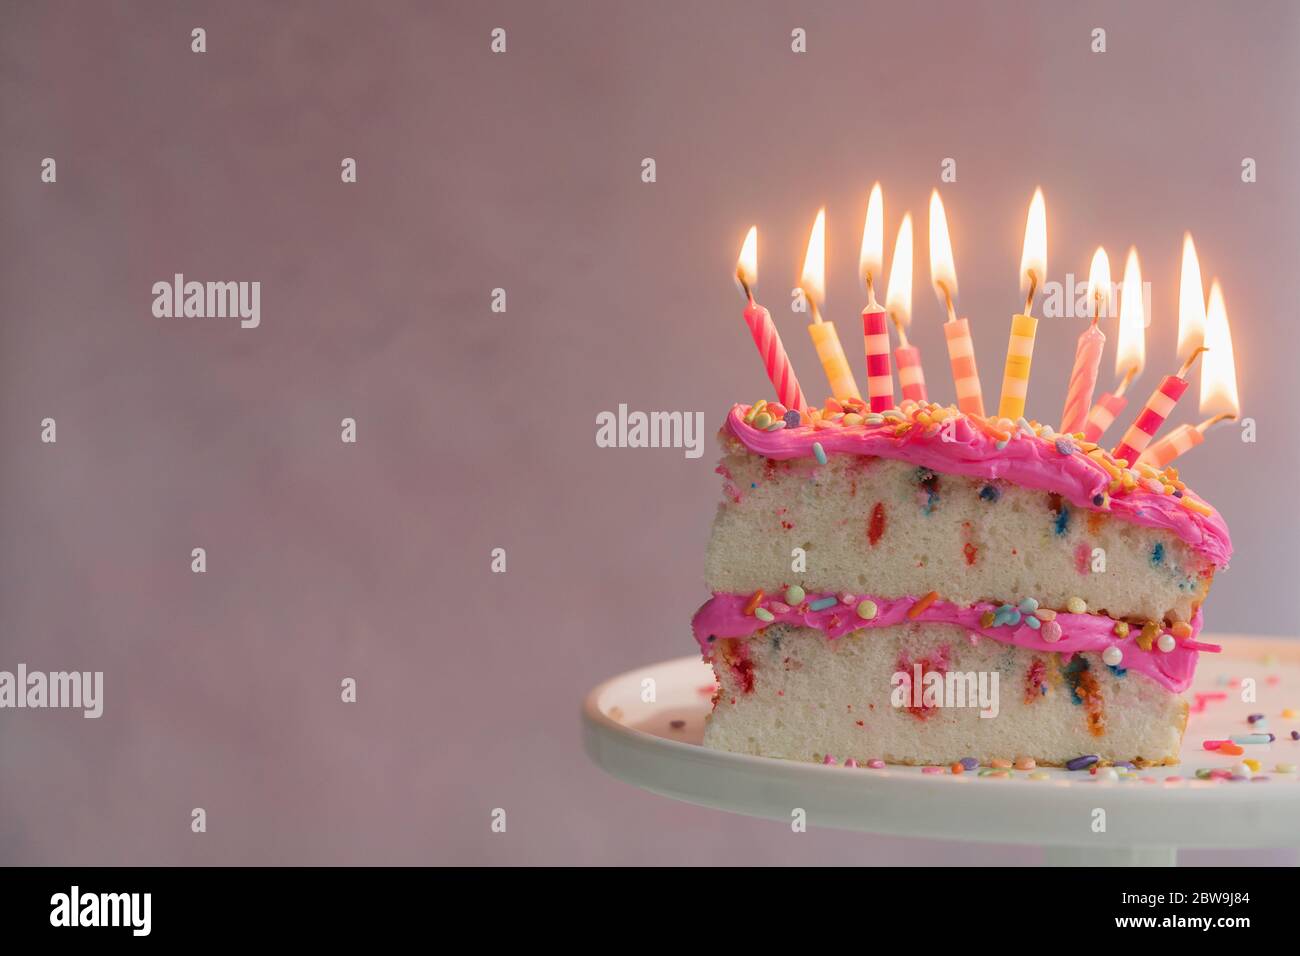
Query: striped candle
point(1015, 378)
point(1181, 439)
point(910, 375)
point(834, 364)
point(1103, 415)
point(1157, 409)
point(1083, 379)
point(775, 361)
point(880, 377)
point(965, 377)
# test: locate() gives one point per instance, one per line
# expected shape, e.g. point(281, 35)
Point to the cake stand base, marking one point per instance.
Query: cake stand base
point(646, 727)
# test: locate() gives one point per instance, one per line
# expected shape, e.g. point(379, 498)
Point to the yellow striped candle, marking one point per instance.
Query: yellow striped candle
point(1020, 355)
point(834, 364)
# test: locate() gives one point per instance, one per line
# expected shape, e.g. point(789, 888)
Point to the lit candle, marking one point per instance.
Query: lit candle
point(961, 350)
point(1087, 354)
point(759, 320)
point(898, 303)
point(875, 327)
point(1020, 344)
point(825, 339)
point(1218, 388)
point(1130, 354)
point(1191, 339)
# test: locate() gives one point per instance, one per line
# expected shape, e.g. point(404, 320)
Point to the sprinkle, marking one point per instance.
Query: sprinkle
point(764, 615)
point(1166, 643)
point(1000, 764)
point(776, 426)
point(1029, 605)
point(1285, 768)
point(1231, 749)
point(1076, 605)
point(1112, 656)
point(1250, 739)
point(1288, 712)
point(956, 768)
point(867, 610)
point(1032, 622)
point(986, 619)
point(1148, 635)
point(1254, 718)
point(1192, 504)
point(1082, 763)
point(778, 607)
point(794, 595)
point(970, 763)
point(1045, 614)
point(1051, 632)
point(1121, 628)
point(990, 493)
point(876, 764)
point(820, 452)
point(852, 418)
point(822, 604)
point(762, 420)
point(1252, 764)
point(1107, 774)
point(1181, 629)
point(1242, 769)
point(846, 598)
point(850, 762)
point(792, 419)
point(1212, 744)
point(828, 760)
point(1040, 775)
point(1065, 446)
point(1001, 444)
point(1026, 763)
point(1295, 735)
point(931, 770)
point(919, 607)
point(754, 600)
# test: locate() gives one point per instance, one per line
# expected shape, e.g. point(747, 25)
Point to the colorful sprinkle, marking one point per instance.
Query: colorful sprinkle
point(876, 764)
point(1028, 605)
point(794, 595)
point(792, 420)
point(828, 760)
point(1082, 763)
point(754, 600)
point(867, 610)
point(1076, 605)
point(819, 452)
point(1026, 763)
point(1250, 738)
point(970, 763)
point(1121, 628)
point(1112, 656)
point(822, 604)
point(764, 615)
point(1166, 643)
point(850, 762)
point(919, 607)
point(1051, 632)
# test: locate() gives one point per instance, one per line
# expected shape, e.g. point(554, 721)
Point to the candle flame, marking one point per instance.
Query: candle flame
point(747, 264)
point(1131, 352)
point(1099, 291)
point(943, 274)
point(871, 260)
point(1033, 260)
point(898, 300)
point(1191, 303)
point(1218, 367)
point(813, 278)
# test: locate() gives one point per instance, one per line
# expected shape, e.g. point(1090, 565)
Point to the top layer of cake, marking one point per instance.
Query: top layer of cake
point(1024, 453)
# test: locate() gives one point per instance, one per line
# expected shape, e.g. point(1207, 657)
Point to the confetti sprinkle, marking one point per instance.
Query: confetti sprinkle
point(1076, 605)
point(764, 615)
point(794, 595)
point(1051, 632)
point(876, 764)
point(1082, 763)
point(1112, 656)
point(822, 604)
point(867, 610)
point(919, 607)
point(819, 452)
point(970, 763)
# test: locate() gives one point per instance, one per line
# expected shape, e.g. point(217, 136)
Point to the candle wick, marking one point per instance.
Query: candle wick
point(902, 333)
point(1191, 360)
point(1209, 423)
point(740, 277)
point(1126, 381)
point(1033, 287)
point(947, 298)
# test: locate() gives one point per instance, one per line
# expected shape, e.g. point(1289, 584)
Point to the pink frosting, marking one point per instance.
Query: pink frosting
point(724, 616)
point(1026, 460)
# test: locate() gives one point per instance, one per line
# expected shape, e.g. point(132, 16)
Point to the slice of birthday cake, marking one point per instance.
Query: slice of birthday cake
point(923, 586)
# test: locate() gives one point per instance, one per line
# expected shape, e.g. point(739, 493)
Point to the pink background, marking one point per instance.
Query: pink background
point(476, 430)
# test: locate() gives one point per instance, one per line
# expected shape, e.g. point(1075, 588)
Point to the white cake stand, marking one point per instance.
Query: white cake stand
point(656, 745)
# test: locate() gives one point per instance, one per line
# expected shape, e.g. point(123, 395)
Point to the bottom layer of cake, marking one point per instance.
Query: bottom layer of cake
point(915, 694)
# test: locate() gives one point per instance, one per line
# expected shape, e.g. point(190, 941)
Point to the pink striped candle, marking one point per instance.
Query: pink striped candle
point(1103, 415)
point(880, 376)
point(1157, 409)
point(775, 361)
point(1181, 439)
point(1083, 379)
point(910, 375)
point(965, 377)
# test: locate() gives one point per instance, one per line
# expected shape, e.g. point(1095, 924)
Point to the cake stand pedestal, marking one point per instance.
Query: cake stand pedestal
point(655, 744)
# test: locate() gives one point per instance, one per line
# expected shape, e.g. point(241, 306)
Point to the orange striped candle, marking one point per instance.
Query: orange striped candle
point(1103, 415)
point(1161, 453)
point(1015, 377)
point(965, 376)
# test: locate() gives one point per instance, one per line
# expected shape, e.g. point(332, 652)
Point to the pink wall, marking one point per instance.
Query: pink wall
point(477, 429)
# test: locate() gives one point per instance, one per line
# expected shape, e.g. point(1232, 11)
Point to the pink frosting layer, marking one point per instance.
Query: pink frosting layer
point(1026, 460)
point(724, 616)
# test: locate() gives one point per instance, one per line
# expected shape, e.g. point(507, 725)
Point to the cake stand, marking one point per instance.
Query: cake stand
point(656, 745)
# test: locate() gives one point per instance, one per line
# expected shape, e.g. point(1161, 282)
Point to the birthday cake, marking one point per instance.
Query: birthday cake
point(926, 586)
